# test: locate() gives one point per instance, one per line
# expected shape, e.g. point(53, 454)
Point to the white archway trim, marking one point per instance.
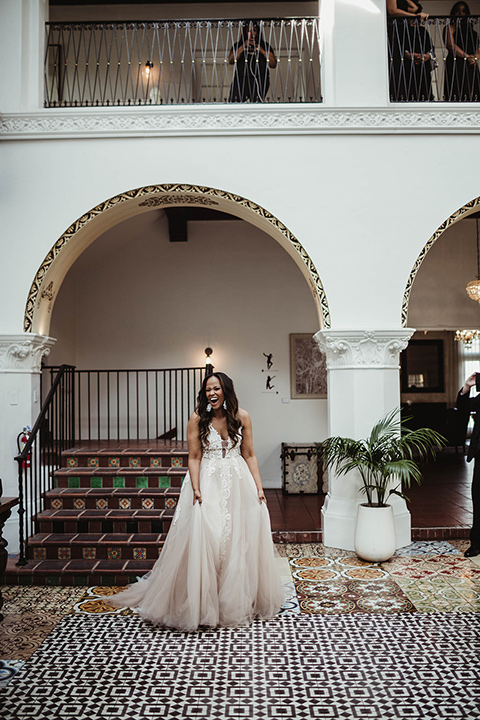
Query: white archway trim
point(92, 224)
point(463, 212)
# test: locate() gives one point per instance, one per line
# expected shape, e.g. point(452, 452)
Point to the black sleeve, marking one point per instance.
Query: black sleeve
point(466, 403)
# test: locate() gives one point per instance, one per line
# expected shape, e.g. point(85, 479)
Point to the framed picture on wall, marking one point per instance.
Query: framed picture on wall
point(308, 368)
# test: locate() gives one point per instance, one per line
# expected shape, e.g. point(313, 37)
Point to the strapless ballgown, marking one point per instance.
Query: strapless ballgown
point(217, 567)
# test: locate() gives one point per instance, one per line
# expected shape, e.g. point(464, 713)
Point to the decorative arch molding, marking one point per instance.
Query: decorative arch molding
point(96, 221)
point(463, 212)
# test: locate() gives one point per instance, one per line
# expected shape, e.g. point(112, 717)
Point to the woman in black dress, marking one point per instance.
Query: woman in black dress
point(410, 51)
point(252, 57)
point(462, 76)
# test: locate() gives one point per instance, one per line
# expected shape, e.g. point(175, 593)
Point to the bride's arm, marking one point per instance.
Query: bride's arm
point(248, 453)
point(194, 456)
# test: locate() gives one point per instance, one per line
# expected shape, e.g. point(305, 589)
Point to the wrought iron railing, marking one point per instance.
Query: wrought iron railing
point(435, 60)
point(175, 62)
point(131, 404)
point(52, 433)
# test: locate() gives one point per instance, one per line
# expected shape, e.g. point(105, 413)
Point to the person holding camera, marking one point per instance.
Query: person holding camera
point(467, 404)
point(252, 57)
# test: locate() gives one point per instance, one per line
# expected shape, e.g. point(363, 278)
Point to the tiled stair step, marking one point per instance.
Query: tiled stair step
point(79, 572)
point(126, 459)
point(104, 521)
point(110, 478)
point(96, 546)
point(112, 498)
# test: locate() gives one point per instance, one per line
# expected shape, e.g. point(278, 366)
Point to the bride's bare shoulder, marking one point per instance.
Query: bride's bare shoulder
point(243, 416)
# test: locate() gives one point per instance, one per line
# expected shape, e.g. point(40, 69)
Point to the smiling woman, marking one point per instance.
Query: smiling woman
point(217, 567)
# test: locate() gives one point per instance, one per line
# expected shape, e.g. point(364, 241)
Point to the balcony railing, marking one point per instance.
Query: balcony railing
point(178, 62)
point(436, 60)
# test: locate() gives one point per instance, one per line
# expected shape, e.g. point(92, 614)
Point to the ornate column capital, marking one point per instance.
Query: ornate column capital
point(23, 353)
point(363, 349)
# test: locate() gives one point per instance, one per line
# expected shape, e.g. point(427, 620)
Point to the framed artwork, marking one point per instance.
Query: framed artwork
point(308, 368)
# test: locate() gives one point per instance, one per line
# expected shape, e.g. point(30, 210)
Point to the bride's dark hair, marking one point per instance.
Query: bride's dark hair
point(233, 422)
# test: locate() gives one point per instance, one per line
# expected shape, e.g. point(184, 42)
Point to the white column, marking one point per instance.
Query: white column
point(354, 53)
point(22, 33)
point(20, 363)
point(363, 385)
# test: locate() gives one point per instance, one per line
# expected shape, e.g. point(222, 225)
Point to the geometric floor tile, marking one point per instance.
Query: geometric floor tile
point(350, 666)
point(429, 547)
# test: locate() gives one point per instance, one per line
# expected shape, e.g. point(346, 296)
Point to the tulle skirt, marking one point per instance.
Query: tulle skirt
point(217, 567)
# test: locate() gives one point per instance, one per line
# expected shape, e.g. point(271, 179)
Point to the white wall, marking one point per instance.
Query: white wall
point(136, 300)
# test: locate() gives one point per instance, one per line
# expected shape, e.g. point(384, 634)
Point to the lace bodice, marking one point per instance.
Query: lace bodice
point(219, 448)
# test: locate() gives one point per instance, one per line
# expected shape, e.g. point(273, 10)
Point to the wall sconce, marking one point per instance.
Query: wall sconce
point(208, 361)
point(148, 67)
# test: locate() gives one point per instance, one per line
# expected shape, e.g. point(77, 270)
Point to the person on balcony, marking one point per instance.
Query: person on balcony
point(411, 53)
point(462, 76)
point(217, 567)
point(467, 404)
point(252, 57)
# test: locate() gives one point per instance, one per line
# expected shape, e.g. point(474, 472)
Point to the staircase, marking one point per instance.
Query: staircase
point(107, 515)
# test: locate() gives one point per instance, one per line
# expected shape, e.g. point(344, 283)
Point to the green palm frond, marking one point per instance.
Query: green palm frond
point(391, 452)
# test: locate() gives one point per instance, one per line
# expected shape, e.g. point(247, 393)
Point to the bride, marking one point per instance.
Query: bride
point(217, 567)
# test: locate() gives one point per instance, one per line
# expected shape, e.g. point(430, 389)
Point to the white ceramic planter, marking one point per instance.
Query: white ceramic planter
point(375, 533)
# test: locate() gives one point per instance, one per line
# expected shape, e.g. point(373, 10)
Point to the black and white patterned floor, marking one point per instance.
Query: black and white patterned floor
point(351, 667)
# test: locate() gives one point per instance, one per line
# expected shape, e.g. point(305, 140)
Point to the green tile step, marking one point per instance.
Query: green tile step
point(130, 479)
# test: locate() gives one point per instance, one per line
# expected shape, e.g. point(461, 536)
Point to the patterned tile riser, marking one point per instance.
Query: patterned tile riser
point(160, 502)
point(100, 552)
point(164, 460)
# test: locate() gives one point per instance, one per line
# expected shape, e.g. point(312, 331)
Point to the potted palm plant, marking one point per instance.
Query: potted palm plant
point(387, 461)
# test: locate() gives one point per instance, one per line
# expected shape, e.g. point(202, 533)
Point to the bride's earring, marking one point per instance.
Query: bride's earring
point(224, 404)
point(209, 407)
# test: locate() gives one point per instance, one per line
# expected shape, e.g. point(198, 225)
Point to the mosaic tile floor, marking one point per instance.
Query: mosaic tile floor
point(296, 666)
point(321, 584)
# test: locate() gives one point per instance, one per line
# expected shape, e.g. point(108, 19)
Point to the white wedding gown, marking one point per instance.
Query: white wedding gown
point(217, 566)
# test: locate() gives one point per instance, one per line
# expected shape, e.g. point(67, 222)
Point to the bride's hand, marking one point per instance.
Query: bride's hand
point(197, 495)
point(261, 496)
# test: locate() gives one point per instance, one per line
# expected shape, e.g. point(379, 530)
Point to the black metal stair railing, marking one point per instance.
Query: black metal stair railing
point(81, 406)
point(53, 432)
point(436, 60)
point(131, 404)
point(172, 62)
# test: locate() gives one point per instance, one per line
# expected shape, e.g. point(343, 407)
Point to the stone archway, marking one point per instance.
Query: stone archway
point(86, 229)
point(463, 212)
